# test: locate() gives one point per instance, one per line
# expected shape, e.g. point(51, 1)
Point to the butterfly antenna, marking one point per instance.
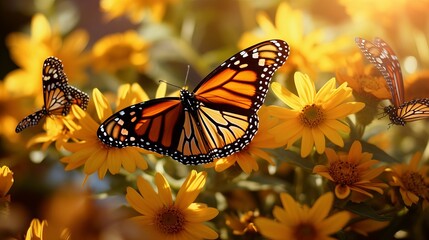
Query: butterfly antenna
point(187, 75)
point(169, 84)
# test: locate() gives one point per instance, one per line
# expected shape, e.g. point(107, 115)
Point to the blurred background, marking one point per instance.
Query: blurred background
point(106, 43)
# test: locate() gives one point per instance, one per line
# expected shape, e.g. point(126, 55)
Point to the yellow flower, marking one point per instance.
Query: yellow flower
point(364, 79)
point(9, 114)
point(136, 10)
point(37, 230)
point(58, 129)
point(412, 181)
point(6, 181)
point(90, 151)
point(163, 218)
point(29, 52)
point(351, 172)
point(313, 115)
point(247, 157)
point(242, 224)
point(118, 51)
point(309, 51)
point(296, 222)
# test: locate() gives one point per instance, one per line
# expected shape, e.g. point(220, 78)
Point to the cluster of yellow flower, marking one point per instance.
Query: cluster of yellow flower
point(319, 179)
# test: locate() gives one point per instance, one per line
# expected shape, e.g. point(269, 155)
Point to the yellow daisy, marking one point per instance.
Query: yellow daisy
point(29, 52)
point(90, 151)
point(296, 222)
point(6, 181)
point(136, 10)
point(351, 172)
point(118, 51)
point(165, 218)
point(412, 181)
point(37, 230)
point(246, 158)
point(58, 129)
point(313, 116)
point(311, 52)
point(40, 230)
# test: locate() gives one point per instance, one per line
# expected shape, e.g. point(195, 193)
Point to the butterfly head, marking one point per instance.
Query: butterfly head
point(391, 111)
point(188, 100)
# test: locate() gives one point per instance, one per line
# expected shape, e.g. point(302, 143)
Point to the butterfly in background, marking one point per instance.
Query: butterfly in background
point(385, 60)
point(215, 120)
point(58, 95)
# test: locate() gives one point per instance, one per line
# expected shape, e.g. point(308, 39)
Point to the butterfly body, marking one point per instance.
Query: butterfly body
point(58, 96)
point(215, 120)
point(409, 111)
point(385, 60)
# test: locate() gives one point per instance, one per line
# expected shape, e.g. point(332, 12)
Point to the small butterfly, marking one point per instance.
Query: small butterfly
point(57, 94)
point(385, 60)
point(215, 120)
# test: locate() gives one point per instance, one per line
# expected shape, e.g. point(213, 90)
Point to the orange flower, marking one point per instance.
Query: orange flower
point(364, 79)
point(412, 181)
point(351, 172)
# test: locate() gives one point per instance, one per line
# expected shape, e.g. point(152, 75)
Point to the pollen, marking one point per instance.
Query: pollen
point(344, 173)
point(312, 116)
point(415, 183)
point(170, 220)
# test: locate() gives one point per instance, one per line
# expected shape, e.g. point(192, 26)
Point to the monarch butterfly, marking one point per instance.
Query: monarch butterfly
point(57, 94)
point(382, 56)
point(215, 120)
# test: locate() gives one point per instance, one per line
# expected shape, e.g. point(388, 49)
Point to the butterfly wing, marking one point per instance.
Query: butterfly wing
point(241, 83)
point(30, 120)
point(56, 92)
point(385, 60)
point(152, 125)
point(78, 97)
point(216, 120)
point(413, 110)
point(230, 97)
point(58, 96)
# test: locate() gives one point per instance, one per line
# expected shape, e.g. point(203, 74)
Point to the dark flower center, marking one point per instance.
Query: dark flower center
point(415, 183)
point(305, 231)
point(170, 220)
point(312, 115)
point(344, 173)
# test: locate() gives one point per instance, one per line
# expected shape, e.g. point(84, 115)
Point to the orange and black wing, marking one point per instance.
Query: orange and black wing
point(56, 92)
point(155, 125)
point(79, 97)
point(230, 97)
point(216, 120)
point(58, 96)
point(413, 110)
point(241, 83)
point(31, 120)
point(385, 60)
